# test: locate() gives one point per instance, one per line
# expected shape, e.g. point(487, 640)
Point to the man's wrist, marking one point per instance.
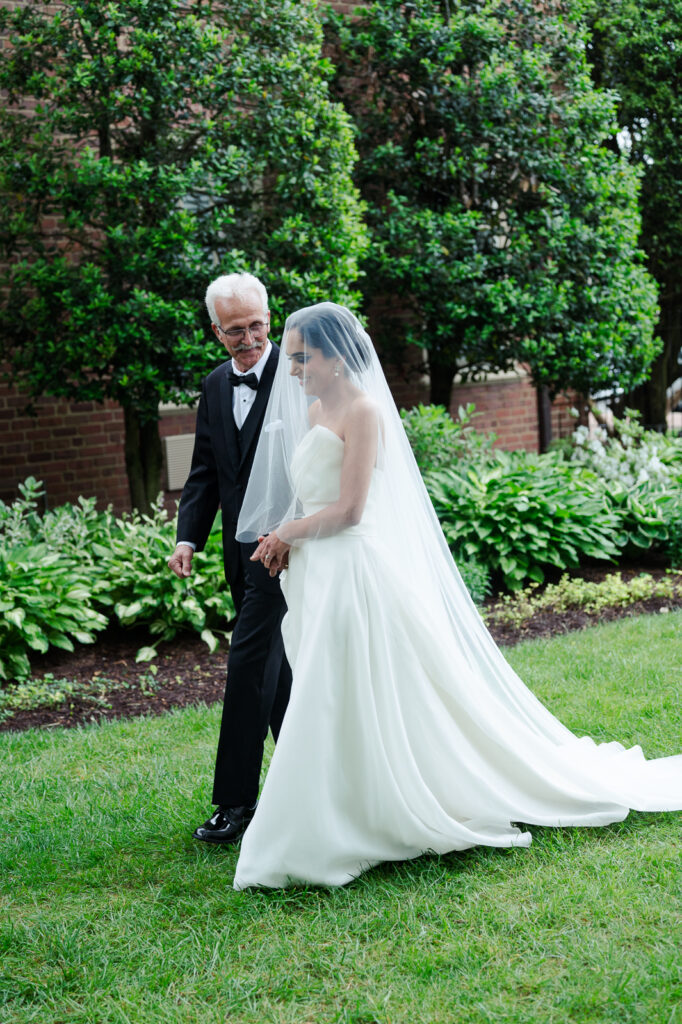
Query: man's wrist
point(187, 544)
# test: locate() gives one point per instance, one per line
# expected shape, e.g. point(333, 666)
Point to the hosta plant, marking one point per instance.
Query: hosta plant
point(64, 574)
point(640, 471)
point(630, 455)
point(136, 586)
point(521, 514)
point(45, 601)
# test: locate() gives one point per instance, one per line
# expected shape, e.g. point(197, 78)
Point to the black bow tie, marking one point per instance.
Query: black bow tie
point(250, 379)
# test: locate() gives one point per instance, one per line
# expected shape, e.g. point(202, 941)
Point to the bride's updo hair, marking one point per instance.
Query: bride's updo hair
point(336, 332)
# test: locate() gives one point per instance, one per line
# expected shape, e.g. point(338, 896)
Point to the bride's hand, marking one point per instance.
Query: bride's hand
point(272, 552)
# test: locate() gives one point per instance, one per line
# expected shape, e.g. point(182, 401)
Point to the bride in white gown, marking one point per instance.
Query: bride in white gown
point(407, 731)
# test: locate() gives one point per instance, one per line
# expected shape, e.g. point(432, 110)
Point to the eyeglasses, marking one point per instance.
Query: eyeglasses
point(257, 330)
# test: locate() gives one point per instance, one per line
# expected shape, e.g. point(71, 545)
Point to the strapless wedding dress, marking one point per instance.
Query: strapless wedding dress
point(397, 739)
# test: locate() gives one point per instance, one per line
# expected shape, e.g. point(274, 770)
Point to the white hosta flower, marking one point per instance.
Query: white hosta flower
point(635, 458)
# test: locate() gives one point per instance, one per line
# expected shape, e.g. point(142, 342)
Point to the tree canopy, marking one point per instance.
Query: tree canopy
point(507, 228)
point(636, 49)
point(147, 146)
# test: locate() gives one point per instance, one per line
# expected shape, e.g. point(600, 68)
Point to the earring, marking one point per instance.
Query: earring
point(336, 370)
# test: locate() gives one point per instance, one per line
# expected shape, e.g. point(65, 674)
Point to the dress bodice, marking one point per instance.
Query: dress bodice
point(316, 472)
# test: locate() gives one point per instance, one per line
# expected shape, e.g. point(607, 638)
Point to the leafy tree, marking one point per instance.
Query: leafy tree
point(146, 146)
point(636, 49)
point(507, 228)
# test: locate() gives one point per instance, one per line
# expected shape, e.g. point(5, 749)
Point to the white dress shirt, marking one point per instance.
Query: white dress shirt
point(244, 397)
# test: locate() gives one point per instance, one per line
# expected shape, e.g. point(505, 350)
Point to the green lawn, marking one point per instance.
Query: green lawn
point(111, 913)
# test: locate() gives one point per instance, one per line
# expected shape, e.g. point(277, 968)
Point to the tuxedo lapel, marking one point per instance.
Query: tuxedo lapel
point(255, 418)
point(229, 426)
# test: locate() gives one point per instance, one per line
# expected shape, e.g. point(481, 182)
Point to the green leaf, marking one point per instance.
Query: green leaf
point(210, 639)
point(146, 654)
point(82, 637)
point(16, 616)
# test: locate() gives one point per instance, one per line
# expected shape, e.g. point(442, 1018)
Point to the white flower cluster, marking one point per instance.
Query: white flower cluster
point(633, 458)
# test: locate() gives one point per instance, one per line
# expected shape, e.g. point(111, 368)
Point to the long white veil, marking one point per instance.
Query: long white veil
point(420, 560)
point(409, 525)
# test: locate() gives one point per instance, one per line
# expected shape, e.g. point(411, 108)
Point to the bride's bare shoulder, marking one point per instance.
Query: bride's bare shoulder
point(363, 412)
point(366, 407)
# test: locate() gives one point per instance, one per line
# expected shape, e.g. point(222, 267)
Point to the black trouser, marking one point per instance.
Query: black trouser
point(256, 694)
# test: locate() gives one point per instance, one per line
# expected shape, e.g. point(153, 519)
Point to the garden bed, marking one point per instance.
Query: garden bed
point(548, 622)
point(109, 683)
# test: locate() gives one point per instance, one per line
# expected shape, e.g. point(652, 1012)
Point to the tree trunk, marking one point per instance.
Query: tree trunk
point(143, 460)
point(544, 419)
point(650, 398)
point(442, 374)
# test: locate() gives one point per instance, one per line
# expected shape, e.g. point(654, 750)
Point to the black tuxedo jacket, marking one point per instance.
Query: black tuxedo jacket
point(221, 463)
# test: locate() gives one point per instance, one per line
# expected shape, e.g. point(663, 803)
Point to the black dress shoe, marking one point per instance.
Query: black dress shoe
point(227, 825)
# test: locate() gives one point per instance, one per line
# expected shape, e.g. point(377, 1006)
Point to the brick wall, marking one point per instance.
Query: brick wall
point(508, 408)
point(73, 447)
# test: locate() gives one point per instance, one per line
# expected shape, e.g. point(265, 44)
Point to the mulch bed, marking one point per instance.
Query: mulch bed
point(187, 673)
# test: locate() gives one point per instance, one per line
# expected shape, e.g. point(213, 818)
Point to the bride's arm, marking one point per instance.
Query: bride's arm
point(359, 458)
point(361, 431)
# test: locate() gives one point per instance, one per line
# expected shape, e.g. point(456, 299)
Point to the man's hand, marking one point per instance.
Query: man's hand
point(272, 552)
point(180, 561)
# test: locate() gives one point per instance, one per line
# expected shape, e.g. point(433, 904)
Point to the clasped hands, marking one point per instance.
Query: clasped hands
point(272, 552)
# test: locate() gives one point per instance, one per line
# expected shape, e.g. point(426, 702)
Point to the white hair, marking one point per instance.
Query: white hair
point(234, 286)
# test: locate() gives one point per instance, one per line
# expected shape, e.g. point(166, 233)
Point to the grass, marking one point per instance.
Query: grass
point(111, 914)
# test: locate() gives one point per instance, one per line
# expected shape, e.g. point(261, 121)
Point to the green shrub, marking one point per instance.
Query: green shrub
point(586, 595)
point(46, 601)
point(136, 586)
point(521, 513)
point(476, 578)
point(66, 573)
point(438, 440)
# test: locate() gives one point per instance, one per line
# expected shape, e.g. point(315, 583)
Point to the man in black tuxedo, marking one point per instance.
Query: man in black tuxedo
point(229, 419)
